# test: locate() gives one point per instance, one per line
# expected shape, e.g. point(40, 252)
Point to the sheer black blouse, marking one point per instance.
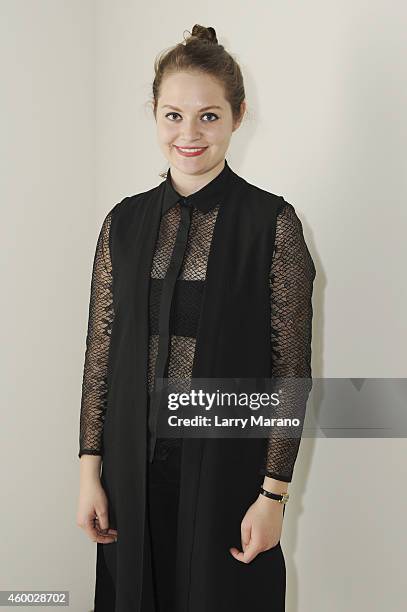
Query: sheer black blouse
point(177, 282)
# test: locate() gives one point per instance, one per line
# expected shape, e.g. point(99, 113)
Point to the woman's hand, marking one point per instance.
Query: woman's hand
point(260, 529)
point(92, 515)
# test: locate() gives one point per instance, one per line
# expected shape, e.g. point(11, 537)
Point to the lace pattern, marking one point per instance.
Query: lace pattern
point(100, 319)
point(291, 282)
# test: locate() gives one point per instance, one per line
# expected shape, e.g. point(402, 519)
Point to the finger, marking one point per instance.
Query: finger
point(104, 531)
point(103, 519)
point(90, 529)
point(106, 539)
point(96, 535)
point(252, 550)
point(109, 533)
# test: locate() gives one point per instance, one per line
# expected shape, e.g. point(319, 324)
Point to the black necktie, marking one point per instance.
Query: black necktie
point(164, 318)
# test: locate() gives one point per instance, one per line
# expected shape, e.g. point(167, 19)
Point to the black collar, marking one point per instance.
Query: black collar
point(205, 198)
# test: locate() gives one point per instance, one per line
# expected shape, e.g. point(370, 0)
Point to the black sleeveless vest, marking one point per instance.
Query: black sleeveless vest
point(219, 477)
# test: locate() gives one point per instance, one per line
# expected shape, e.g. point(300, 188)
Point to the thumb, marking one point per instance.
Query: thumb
point(102, 520)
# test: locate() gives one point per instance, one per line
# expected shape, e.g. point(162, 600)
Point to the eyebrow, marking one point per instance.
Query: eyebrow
point(200, 110)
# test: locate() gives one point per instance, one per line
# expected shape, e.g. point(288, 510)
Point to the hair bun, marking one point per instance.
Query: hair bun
point(203, 33)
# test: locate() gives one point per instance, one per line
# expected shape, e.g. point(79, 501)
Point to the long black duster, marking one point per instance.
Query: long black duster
point(220, 477)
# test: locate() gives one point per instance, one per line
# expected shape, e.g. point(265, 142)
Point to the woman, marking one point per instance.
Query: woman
point(204, 276)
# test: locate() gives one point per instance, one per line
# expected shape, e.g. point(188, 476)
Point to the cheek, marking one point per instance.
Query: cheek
point(216, 133)
point(217, 136)
point(166, 132)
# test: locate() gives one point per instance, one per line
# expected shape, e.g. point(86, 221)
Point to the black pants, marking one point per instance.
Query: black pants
point(161, 529)
point(160, 540)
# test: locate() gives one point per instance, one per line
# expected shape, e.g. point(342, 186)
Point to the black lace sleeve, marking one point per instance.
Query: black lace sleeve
point(101, 314)
point(292, 275)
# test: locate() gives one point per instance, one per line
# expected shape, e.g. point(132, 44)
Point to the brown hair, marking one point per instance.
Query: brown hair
point(201, 52)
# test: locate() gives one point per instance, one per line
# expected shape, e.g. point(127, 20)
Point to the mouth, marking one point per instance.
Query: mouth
point(190, 151)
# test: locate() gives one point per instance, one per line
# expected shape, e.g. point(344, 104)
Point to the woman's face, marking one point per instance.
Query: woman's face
point(193, 112)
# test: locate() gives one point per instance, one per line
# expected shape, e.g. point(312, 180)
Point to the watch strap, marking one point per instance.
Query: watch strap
point(282, 498)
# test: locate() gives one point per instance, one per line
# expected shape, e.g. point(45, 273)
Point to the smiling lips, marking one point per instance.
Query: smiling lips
point(190, 151)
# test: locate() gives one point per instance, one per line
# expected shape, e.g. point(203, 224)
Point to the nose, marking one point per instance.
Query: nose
point(190, 130)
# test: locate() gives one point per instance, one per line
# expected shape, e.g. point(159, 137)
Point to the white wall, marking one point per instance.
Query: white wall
point(326, 89)
point(49, 219)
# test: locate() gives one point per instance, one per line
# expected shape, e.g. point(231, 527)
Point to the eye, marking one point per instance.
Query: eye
point(168, 114)
point(213, 115)
point(204, 115)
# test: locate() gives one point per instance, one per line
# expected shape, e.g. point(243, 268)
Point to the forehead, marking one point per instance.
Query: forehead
point(190, 89)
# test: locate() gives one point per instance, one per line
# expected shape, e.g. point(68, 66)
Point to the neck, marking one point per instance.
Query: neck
point(186, 184)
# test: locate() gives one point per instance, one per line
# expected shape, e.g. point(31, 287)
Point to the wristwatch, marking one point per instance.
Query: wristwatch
point(283, 498)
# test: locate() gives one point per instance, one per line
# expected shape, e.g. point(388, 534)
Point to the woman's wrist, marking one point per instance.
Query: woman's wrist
point(268, 503)
point(90, 467)
point(275, 486)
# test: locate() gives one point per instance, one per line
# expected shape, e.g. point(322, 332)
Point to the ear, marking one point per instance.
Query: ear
point(237, 123)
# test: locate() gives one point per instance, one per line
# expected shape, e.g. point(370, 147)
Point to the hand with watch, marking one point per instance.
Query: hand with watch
point(262, 524)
